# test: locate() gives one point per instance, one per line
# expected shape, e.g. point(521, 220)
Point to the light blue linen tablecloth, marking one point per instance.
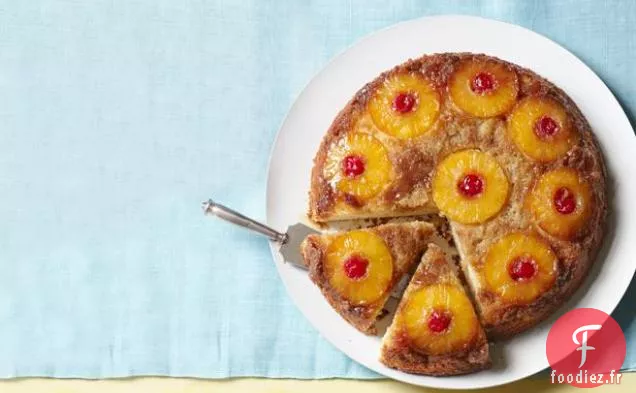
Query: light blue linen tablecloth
point(117, 118)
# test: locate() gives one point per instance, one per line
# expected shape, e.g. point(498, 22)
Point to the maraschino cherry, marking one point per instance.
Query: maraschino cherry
point(355, 267)
point(483, 83)
point(471, 185)
point(439, 321)
point(522, 268)
point(404, 103)
point(353, 166)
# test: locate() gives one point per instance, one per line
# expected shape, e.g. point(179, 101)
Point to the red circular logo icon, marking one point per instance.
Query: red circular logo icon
point(586, 348)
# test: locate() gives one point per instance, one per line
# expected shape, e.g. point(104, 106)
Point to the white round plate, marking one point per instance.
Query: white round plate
point(313, 112)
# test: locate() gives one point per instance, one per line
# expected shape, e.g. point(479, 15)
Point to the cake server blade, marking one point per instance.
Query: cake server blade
point(288, 242)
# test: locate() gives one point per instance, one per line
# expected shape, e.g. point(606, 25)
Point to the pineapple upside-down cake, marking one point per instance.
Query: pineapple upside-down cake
point(503, 154)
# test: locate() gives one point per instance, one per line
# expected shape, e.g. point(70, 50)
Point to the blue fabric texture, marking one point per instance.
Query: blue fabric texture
point(119, 117)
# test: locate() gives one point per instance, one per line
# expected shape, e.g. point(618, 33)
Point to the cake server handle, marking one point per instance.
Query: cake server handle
point(225, 213)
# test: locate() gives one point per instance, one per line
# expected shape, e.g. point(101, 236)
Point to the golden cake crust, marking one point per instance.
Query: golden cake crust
point(406, 242)
point(413, 163)
point(398, 353)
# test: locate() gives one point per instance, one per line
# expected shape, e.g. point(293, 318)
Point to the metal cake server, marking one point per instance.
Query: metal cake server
point(289, 242)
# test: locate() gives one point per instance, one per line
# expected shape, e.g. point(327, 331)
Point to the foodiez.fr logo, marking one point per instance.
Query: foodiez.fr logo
point(586, 348)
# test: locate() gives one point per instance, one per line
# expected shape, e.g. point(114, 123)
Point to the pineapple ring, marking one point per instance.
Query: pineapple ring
point(441, 297)
point(413, 123)
point(506, 251)
point(452, 203)
point(541, 202)
point(379, 272)
point(522, 123)
point(492, 103)
point(377, 166)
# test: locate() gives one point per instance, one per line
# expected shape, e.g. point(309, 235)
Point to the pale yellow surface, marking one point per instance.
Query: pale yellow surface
point(254, 385)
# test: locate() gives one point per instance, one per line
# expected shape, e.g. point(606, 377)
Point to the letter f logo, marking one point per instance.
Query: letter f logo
point(583, 344)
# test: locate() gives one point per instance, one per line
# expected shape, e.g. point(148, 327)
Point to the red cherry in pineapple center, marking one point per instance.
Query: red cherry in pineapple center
point(355, 267)
point(439, 321)
point(483, 83)
point(404, 102)
point(471, 185)
point(353, 166)
point(564, 200)
point(522, 268)
point(546, 127)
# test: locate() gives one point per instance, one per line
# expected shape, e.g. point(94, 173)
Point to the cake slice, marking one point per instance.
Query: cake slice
point(357, 270)
point(435, 330)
